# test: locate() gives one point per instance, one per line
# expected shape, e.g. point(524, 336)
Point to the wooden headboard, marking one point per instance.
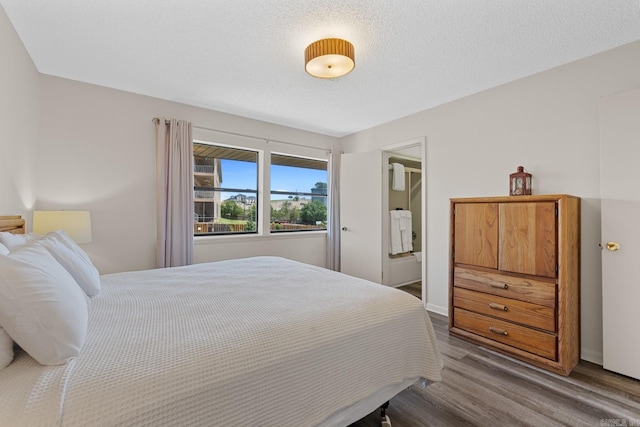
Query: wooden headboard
point(12, 223)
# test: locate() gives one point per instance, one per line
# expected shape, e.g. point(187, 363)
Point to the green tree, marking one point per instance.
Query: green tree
point(230, 209)
point(286, 212)
point(313, 212)
point(276, 214)
point(282, 213)
point(252, 218)
point(294, 214)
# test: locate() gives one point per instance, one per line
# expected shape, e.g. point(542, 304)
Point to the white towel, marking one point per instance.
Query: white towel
point(400, 232)
point(418, 256)
point(406, 231)
point(395, 238)
point(398, 177)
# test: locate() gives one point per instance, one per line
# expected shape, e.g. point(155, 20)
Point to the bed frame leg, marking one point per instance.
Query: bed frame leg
point(384, 418)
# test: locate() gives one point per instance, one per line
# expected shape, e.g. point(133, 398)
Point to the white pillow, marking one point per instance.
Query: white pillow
point(6, 349)
point(16, 241)
point(41, 306)
point(3, 249)
point(80, 268)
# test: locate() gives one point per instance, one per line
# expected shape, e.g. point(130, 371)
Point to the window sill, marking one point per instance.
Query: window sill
point(207, 240)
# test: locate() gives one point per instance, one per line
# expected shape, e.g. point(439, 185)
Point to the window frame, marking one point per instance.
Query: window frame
point(221, 189)
point(310, 194)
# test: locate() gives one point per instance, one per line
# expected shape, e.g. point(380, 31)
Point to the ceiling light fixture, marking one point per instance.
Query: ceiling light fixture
point(329, 58)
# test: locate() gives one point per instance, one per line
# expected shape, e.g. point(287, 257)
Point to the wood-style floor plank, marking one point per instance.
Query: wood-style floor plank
point(481, 388)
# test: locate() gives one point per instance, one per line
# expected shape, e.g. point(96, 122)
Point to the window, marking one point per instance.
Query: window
point(225, 185)
point(298, 194)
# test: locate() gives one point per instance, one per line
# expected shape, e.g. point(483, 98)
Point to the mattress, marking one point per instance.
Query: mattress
point(260, 341)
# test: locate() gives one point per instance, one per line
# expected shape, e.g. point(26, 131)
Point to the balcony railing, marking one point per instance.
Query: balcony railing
point(200, 194)
point(203, 168)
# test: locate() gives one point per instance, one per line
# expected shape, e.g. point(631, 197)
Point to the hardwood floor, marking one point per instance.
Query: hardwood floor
point(484, 388)
point(414, 289)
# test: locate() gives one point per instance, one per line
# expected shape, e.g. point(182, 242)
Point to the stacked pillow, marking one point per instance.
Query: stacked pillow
point(6, 349)
point(45, 282)
point(6, 343)
point(14, 241)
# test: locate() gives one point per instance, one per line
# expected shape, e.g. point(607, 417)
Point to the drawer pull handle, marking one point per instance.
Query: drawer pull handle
point(498, 306)
point(499, 285)
point(498, 331)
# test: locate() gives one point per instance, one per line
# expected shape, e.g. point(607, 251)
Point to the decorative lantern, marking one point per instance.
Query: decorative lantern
point(520, 183)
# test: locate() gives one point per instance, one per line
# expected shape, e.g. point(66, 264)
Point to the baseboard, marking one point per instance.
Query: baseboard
point(591, 356)
point(444, 311)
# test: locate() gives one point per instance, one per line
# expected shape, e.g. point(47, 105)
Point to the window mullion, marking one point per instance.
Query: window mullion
point(264, 196)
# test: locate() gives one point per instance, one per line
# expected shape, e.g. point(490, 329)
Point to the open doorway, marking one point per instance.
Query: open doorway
point(404, 265)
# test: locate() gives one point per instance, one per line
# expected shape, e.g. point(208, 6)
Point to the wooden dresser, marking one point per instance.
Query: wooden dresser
point(515, 277)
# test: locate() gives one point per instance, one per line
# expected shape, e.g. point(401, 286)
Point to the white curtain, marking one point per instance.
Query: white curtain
point(174, 169)
point(333, 226)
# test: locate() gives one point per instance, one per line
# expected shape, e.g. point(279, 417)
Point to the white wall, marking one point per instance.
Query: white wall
point(96, 151)
point(18, 122)
point(304, 247)
point(549, 124)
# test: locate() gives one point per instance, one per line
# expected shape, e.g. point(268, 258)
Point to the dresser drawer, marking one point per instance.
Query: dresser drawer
point(524, 289)
point(527, 339)
point(536, 316)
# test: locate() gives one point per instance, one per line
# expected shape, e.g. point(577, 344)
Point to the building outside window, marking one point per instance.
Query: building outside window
point(225, 190)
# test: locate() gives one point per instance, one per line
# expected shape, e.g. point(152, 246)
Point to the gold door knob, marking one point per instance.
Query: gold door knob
point(613, 246)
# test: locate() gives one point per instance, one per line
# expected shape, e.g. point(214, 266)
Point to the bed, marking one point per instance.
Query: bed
point(262, 341)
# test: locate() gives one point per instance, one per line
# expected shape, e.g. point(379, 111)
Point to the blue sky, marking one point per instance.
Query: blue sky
point(237, 174)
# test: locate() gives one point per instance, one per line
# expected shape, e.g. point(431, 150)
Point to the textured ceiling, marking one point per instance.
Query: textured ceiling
point(246, 57)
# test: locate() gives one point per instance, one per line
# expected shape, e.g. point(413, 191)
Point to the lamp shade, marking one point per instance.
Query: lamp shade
point(329, 58)
point(77, 224)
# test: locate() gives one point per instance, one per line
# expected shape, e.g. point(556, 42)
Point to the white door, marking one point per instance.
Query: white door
point(361, 215)
point(619, 157)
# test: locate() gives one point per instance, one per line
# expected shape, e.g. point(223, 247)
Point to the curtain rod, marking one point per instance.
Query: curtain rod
point(156, 120)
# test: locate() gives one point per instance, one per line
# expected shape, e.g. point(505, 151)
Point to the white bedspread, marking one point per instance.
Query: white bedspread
point(256, 342)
